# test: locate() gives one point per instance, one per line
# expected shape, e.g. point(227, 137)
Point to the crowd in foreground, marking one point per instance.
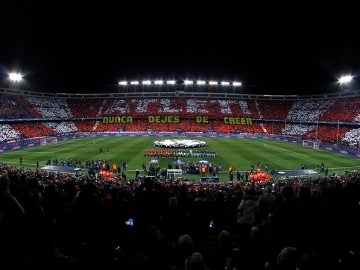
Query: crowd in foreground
point(53, 221)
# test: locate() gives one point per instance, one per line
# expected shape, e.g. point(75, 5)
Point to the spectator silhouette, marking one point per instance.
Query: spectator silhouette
point(12, 215)
point(195, 262)
point(247, 211)
point(267, 203)
point(184, 248)
point(285, 220)
point(175, 220)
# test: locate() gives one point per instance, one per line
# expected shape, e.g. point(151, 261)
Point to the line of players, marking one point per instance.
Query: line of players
point(179, 153)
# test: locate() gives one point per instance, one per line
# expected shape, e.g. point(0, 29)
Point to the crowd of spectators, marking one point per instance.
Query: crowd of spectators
point(28, 107)
point(352, 137)
point(62, 127)
point(7, 133)
point(33, 130)
point(344, 109)
point(10, 109)
point(50, 108)
point(85, 126)
point(119, 106)
point(84, 108)
point(55, 221)
point(297, 129)
point(274, 109)
point(75, 112)
point(327, 133)
point(274, 127)
point(309, 110)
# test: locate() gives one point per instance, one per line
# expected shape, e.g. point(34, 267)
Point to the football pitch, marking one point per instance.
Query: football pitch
point(238, 153)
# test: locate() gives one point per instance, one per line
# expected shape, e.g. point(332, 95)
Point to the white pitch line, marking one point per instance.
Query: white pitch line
point(78, 145)
point(18, 163)
point(273, 146)
point(348, 167)
point(42, 152)
point(68, 148)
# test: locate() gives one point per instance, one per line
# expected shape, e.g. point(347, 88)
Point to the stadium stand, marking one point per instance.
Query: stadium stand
point(84, 108)
point(10, 108)
point(274, 109)
point(33, 130)
point(62, 127)
point(352, 137)
point(327, 133)
point(30, 109)
point(86, 126)
point(8, 134)
point(342, 110)
point(120, 106)
point(297, 130)
point(309, 110)
point(50, 108)
point(305, 118)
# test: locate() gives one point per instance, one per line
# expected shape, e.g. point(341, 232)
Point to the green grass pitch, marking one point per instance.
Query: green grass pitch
point(239, 153)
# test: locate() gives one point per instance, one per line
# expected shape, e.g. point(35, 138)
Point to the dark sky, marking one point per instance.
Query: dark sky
point(272, 48)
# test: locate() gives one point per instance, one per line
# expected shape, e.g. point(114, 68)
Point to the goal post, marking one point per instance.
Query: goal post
point(48, 140)
point(52, 140)
point(43, 141)
point(312, 144)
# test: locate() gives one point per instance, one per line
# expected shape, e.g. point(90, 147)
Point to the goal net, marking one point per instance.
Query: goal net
point(52, 140)
point(43, 141)
point(312, 144)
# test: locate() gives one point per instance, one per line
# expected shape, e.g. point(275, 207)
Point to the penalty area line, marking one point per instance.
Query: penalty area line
point(283, 149)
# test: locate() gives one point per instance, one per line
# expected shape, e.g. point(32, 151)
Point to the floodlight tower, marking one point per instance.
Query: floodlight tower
point(15, 79)
point(345, 81)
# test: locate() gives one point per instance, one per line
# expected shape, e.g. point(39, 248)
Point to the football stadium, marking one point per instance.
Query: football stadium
point(177, 137)
point(129, 153)
point(282, 137)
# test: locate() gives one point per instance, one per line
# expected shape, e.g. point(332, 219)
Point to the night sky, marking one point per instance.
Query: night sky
point(83, 46)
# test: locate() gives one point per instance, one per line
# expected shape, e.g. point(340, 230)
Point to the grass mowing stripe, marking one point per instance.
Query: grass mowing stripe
point(226, 154)
point(283, 149)
point(298, 148)
point(230, 151)
point(275, 157)
point(68, 148)
point(316, 156)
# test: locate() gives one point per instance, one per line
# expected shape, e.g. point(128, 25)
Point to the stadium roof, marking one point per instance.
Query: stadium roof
point(272, 48)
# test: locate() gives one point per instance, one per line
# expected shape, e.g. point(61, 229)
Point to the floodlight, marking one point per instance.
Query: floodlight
point(187, 82)
point(236, 83)
point(345, 79)
point(158, 82)
point(148, 82)
point(171, 82)
point(134, 82)
point(123, 83)
point(213, 83)
point(200, 82)
point(225, 83)
point(15, 77)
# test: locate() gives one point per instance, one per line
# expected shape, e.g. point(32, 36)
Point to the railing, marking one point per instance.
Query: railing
point(176, 92)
